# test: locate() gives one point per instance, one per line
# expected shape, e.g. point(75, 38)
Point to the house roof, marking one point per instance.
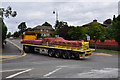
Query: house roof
point(43, 27)
point(93, 22)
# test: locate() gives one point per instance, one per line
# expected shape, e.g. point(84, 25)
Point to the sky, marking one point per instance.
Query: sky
point(75, 13)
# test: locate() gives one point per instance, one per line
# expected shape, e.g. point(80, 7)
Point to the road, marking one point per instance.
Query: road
point(34, 65)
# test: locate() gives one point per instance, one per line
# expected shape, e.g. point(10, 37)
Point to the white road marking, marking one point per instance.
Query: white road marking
point(46, 75)
point(106, 72)
point(12, 70)
point(11, 76)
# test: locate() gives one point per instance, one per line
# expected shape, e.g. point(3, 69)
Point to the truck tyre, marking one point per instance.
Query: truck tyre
point(66, 55)
point(31, 49)
point(77, 56)
point(57, 53)
point(25, 49)
point(50, 52)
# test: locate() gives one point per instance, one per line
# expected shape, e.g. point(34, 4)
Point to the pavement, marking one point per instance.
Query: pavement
point(36, 66)
point(10, 51)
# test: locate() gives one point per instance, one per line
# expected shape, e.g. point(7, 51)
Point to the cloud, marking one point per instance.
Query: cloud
point(75, 13)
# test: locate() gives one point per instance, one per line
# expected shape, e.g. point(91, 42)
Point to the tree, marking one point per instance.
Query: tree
point(96, 31)
point(60, 24)
point(5, 12)
point(110, 33)
point(22, 27)
point(38, 35)
point(16, 34)
point(8, 12)
point(46, 24)
point(116, 26)
point(63, 32)
point(114, 18)
point(9, 35)
point(77, 33)
point(4, 32)
point(108, 21)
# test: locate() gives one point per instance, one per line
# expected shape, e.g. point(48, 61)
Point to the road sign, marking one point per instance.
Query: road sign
point(88, 38)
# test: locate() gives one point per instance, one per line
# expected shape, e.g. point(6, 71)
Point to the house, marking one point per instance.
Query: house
point(44, 30)
point(94, 21)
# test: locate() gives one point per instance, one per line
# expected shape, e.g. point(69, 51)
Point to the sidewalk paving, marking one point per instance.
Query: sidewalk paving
point(10, 51)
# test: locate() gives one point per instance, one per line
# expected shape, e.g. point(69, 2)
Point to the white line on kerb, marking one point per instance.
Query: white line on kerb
point(46, 75)
point(11, 76)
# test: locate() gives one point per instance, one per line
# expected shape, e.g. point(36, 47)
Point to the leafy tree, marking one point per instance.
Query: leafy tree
point(63, 32)
point(110, 33)
point(77, 33)
point(55, 33)
point(22, 26)
point(9, 35)
point(96, 31)
point(6, 12)
point(46, 24)
point(56, 24)
point(114, 18)
point(116, 26)
point(108, 21)
point(38, 35)
point(4, 32)
point(16, 34)
point(60, 24)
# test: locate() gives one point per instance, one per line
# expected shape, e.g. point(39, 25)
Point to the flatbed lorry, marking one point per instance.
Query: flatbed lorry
point(56, 47)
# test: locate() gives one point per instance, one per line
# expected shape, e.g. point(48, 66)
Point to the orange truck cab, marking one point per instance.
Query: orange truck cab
point(30, 35)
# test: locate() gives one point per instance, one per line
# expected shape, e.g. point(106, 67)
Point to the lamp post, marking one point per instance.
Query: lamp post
point(56, 23)
point(55, 12)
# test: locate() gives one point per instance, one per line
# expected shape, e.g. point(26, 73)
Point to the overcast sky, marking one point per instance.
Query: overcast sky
point(74, 13)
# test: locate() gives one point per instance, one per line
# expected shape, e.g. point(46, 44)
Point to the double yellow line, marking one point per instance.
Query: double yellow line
point(17, 56)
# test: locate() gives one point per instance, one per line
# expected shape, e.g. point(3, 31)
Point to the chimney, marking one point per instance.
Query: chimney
point(95, 20)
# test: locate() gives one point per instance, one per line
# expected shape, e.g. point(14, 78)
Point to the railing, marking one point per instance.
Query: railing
point(108, 44)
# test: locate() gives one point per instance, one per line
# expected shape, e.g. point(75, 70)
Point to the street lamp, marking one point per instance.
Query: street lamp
point(55, 12)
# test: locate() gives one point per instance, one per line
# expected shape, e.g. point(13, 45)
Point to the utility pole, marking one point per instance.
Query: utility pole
point(1, 19)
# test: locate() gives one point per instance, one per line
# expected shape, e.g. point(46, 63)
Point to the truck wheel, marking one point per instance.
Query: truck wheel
point(25, 49)
point(69, 55)
point(31, 49)
point(57, 53)
point(66, 55)
point(50, 53)
point(77, 56)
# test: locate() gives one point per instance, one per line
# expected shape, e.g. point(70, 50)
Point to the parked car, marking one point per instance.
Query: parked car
point(11, 38)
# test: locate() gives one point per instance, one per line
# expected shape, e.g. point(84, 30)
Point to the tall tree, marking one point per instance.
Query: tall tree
point(77, 33)
point(16, 34)
point(114, 18)
point(108, 21)
point(22, 26)
point(8, 12)
point(60, 24)
point(5, 12)
point(63, 32)
point(116, 26)
point(4, 32)
point(9, 35)
point(96, 31)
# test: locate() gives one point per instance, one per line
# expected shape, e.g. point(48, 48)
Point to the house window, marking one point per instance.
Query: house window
point(47, 34)
point(47, 30)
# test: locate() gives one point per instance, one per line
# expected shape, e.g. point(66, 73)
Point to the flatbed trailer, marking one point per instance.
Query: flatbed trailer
point(57, 50)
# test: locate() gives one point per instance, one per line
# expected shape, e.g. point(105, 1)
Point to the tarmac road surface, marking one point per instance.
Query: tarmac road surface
point(35, 66)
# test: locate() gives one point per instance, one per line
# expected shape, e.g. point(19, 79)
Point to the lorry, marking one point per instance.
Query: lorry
point(56, 47)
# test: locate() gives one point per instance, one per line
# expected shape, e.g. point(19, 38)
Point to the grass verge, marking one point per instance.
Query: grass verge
point(107, 51)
